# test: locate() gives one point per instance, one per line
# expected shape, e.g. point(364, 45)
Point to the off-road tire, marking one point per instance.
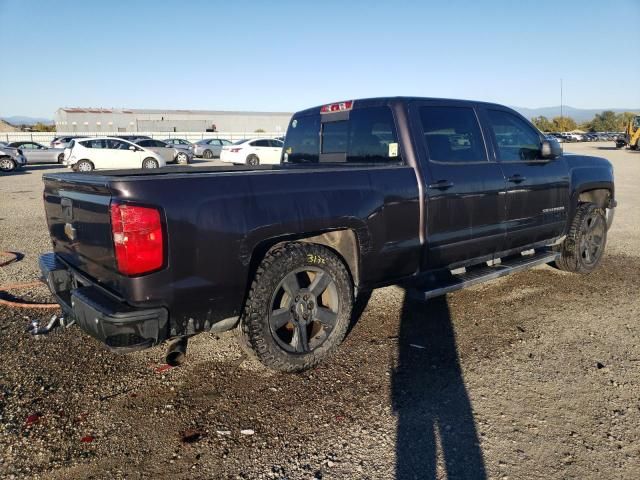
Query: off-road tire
point(253, 330)
point(253, 160)
point(84, 166)
point(208, 154)
point(571, 258)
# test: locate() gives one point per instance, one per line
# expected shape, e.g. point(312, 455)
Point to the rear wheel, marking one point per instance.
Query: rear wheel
point(253, 160)
point(150, 163)
point(61, 158)
point(7, 164)
point(584, 245)
point(298, 308)
point(208, 154)
point(84, 166)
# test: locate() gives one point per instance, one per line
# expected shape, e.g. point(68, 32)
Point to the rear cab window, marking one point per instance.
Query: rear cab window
point(360, 135)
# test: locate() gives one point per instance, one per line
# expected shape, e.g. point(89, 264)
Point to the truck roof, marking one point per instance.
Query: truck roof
point(377, 101)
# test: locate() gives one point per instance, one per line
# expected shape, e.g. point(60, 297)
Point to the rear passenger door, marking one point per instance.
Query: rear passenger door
point(537, 196)
point(465, 209)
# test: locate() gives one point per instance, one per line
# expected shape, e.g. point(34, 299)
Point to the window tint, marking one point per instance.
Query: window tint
point(452, 134)
point(369, 135)
point(260, 143)
point(94, 143)
point(275, 143)
point(146, 143)
point(516, 139)
point(335, 137)
point(302, 141)
point(372, 136)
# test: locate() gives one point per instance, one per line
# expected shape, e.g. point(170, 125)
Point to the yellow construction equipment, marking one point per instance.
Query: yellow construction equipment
point(631, 135)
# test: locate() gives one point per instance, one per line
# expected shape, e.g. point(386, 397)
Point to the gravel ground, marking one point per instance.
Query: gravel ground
point(536, 375)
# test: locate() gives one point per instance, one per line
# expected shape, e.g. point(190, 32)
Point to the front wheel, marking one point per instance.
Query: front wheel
point(182, 158)
point(7, 164)
point(582, 249)
point(61, 158)
point(298, 308)
point(150, 163)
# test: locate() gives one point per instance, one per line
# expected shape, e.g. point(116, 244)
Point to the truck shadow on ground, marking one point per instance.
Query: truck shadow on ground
point(430, 398)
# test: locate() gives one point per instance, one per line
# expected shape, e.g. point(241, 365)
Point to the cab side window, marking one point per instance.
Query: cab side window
point(302, 140)
point(372, 136)
point(516, 141)
point(452, 134)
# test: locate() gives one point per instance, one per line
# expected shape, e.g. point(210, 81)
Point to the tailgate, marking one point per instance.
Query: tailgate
point(79, 223)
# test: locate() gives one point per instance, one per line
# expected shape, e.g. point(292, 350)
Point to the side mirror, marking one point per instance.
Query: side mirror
point(132, 148)
point(550, 149)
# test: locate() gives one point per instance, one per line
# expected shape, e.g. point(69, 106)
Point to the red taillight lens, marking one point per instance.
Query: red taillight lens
point(337, 107)
point(234, 150)
point(137, 237)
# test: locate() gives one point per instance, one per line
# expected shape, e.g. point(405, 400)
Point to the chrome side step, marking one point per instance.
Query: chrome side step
point(435, 286)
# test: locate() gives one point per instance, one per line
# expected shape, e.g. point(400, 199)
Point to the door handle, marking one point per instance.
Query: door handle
point(441, 185)
point(516, 178)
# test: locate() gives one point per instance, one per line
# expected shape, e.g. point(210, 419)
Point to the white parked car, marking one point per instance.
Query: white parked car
point(255, 151)
point(109, 153)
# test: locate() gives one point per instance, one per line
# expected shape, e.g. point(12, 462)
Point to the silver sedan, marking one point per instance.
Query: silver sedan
point(168, 152)
point(209, 147)
point(38, 153)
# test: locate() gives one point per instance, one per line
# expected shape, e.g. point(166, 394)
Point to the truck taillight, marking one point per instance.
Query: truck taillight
point(337, 107)
point(137, 237)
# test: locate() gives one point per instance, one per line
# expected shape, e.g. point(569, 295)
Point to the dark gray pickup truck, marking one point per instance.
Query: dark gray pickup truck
point(431, 193)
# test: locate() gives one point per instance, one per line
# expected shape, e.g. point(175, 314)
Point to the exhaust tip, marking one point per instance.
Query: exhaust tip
point(177, 352)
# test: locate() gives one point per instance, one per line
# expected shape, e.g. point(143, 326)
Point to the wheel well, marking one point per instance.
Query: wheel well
point(599, 196)
point(344, 243)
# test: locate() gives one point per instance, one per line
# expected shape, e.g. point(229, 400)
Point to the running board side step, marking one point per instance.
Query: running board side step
point(434, 286)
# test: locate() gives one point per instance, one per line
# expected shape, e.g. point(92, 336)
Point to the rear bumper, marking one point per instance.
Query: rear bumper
point(119, 326)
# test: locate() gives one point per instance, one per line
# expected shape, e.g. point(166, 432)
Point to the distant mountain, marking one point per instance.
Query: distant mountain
point(578, 114)
point(20, 120)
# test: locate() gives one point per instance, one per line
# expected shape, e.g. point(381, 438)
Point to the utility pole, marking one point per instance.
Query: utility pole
point(561, 117)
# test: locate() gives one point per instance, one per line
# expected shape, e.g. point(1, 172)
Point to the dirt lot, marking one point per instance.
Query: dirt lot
point(536, 375)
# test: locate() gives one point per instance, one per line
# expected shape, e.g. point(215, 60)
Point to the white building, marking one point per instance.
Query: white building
point(136, 120)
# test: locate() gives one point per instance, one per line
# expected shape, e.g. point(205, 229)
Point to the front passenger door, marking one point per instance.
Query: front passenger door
point(537, 188)
point(465, 208)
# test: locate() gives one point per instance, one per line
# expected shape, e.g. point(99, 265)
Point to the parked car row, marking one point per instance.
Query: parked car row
point(136, 151)
point(583, 137)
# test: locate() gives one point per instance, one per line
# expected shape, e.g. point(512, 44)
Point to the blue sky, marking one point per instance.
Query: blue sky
point(284, 56)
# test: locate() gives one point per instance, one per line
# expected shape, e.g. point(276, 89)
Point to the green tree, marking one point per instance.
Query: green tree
point(543, 123)
point(564, 124)
point(606, 121)
point(259, 130)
